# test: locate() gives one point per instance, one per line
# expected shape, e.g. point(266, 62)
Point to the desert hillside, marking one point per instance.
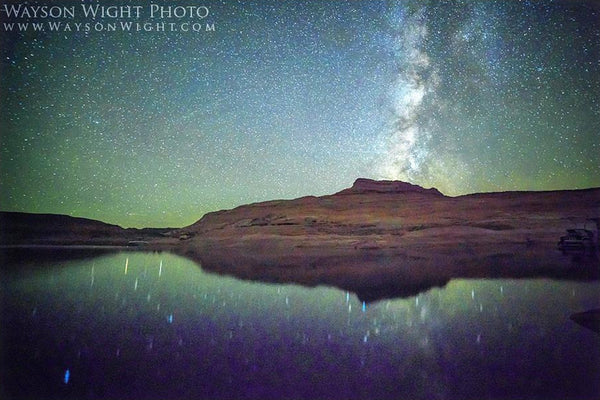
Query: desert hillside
point(382, 235)
point(391, 214)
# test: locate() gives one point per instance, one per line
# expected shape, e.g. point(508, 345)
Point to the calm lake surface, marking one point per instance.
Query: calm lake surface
point(156, 326)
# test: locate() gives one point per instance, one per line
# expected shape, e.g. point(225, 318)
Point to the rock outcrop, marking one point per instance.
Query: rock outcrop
point(366, 186)
point(381, 238)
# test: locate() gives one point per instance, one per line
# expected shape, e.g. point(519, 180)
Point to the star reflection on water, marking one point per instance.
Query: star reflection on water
point(156, 325)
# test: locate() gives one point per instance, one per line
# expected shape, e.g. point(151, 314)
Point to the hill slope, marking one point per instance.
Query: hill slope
point(18, 228)
point(381, 236)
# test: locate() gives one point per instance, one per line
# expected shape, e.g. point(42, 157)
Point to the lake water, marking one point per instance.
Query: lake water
point(156, 326)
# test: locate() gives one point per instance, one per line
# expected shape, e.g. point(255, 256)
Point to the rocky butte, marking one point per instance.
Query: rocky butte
point(390, 238)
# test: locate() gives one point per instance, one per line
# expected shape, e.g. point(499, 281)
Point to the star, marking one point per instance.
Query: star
point(284, 99)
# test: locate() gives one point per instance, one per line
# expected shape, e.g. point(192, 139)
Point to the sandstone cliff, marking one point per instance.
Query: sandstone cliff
point(385, 236)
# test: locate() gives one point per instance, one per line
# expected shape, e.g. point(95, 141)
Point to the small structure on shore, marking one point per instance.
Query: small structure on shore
point(576, 239)
point(137, 243)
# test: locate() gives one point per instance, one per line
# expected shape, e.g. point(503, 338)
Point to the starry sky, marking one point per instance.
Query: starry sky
point(273, 99)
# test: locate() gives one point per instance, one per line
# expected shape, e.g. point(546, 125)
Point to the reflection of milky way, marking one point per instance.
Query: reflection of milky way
point(288, 98)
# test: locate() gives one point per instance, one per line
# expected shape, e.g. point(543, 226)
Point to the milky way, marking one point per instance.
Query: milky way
point(280, 99)
point(407, 143)
point(495, 96)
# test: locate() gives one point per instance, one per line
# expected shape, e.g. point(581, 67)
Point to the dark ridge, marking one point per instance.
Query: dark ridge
point(18, 228)
point(10, 219)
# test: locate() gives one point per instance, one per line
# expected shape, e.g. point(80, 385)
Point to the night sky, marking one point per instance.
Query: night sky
point(291, 98)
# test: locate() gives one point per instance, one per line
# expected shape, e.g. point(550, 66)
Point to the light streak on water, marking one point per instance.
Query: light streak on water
point(398, 327)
